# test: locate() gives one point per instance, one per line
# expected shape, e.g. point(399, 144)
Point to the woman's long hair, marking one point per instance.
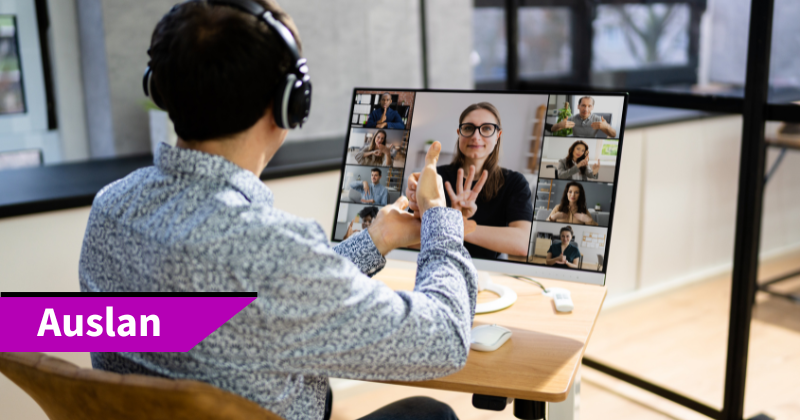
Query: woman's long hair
point(495, 180)
point(373, 140)
point(569, 160)
point(564, 206)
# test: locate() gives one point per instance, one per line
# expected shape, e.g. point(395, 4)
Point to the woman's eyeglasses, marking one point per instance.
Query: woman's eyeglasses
point(486, 130)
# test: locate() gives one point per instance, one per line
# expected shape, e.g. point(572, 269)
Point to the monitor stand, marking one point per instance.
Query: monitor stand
point(507, 296)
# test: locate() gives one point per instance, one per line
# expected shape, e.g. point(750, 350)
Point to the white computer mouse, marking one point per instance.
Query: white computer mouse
point(489, 337)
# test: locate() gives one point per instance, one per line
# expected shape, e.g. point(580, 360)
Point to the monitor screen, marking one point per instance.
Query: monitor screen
point(552, 159)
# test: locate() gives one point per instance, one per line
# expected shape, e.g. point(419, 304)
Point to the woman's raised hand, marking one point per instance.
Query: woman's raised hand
point(596, 166)
point(463, 198)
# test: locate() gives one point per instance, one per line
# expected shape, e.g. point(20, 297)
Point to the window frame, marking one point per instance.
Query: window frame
point(581, 74)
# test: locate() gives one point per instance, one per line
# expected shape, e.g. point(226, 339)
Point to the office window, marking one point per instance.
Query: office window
point(602, 43)
point(545, 41)
point(12, 100)
point(489, 36)
point(636, 36)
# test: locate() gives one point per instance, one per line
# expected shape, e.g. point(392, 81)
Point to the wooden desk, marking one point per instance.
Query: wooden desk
point(540, 361)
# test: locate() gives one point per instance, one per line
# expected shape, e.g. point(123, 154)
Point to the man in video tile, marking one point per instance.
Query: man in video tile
point(372, 192)
point(586, 124)
point(385, 117)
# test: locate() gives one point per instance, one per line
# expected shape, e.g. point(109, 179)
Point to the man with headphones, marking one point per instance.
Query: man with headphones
point(231, 75)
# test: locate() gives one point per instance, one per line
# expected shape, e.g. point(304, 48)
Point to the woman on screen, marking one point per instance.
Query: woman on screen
point(576, 164)
point(572, 208)
point(564, 254)
point(376, 152)
point(500, 201)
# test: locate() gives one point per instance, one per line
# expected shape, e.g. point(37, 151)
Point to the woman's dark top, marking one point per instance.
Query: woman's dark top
point(393, 119)
point(571, 253)
point(512, 203)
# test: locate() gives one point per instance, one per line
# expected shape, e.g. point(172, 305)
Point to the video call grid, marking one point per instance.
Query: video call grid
point(535, 197)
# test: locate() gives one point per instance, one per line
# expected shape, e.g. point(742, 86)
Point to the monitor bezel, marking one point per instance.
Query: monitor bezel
point(506, 266)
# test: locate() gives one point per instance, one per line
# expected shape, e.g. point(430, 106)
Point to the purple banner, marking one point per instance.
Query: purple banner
point(116, 324)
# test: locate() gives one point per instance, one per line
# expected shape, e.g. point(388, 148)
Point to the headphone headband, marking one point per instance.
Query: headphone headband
point(292, 102)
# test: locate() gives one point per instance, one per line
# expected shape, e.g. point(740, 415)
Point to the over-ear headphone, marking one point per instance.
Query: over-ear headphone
point(292, 101)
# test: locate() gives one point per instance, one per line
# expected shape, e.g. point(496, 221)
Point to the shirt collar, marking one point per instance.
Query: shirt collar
point(176, 160)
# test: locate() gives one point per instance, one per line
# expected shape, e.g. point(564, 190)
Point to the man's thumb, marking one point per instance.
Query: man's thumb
point(433, 154)
point(401, 203)
point(603, 119)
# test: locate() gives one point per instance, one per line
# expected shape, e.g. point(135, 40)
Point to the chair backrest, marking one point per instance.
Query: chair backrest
point(65, 391)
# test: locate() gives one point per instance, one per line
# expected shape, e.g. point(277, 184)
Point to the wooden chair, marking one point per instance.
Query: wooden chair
point(65, 391)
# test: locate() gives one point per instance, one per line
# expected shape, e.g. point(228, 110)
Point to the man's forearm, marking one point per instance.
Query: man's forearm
point(610, 132)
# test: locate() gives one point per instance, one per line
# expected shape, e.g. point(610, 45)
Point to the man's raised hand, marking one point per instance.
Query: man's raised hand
point(394, 227)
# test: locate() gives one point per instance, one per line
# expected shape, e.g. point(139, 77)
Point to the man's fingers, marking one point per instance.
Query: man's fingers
point(432, 158)
point(401, 203)
point(413, 179)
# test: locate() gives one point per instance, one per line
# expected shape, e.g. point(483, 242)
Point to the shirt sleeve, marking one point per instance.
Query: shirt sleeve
point(574, 253)
point(322, 316)
point(362, 252)
point(564, 172)
point(360, 154)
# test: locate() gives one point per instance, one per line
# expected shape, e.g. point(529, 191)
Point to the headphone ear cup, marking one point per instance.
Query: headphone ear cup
point(280, 106)
point(300, 103)
point(150, 89)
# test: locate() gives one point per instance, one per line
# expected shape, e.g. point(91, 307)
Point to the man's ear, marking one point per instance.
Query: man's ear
point(269, 118)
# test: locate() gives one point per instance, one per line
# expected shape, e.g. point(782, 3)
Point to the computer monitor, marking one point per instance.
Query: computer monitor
point(553, 159)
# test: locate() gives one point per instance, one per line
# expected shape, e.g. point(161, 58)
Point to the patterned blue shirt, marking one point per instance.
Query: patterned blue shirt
point(198, 223)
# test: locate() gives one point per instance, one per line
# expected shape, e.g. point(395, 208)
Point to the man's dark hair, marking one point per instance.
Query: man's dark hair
point(368, 211)
point(217, 68)
point(585, 97)
point(377, 170)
